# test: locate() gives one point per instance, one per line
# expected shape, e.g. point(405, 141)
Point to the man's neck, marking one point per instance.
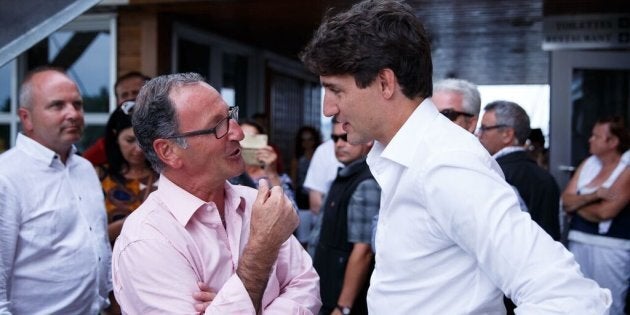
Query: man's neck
point(206, 191)
point(508, 150)
point(398, 115)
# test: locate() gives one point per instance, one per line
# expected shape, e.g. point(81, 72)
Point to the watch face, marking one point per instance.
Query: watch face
point(345, 310)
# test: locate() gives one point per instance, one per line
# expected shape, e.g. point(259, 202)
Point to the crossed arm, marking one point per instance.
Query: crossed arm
point(271, 261)
point(603, 204)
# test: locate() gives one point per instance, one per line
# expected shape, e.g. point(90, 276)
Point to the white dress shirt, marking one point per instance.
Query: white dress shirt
point(54, 251)
point(451, 237)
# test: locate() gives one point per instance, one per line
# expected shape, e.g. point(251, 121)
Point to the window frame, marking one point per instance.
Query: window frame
point(85, 22)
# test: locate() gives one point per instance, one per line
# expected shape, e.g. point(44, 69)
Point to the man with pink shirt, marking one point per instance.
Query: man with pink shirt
point(199, 231)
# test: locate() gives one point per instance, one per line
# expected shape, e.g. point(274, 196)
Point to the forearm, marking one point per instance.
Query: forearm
point(254, 269)
point(297, 280)
point(274, 178)
point(602, 210)
point(573, 202)
point(356, 274)
point(315, 200)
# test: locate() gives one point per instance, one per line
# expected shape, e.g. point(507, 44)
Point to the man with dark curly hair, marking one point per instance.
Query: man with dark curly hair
point(451, 237)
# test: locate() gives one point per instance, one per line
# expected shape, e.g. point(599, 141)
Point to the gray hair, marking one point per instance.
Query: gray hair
point(470, 93)
point(512, 115)
point(154, 116)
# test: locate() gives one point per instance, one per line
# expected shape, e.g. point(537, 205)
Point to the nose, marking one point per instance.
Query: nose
point(73, 111)
point(330, 105)
point(235, 132)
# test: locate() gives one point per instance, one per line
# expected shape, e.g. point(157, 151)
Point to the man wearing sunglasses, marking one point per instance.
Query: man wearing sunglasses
point(459, 101)
point(199, 231)
point(344, 258)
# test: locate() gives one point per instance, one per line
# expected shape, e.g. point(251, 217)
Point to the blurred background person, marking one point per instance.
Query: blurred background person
point(536, 148)
point(127, 178)
point(321, 172)
point(503, 132)
point(597, 198)
point(307, 139)
point(267, 166)
point(459, 101)
point(126, 88)
point(344, 258)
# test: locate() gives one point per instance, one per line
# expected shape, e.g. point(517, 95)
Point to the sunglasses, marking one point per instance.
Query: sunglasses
point(343, 137)
point(127, 107)
point(452, 114)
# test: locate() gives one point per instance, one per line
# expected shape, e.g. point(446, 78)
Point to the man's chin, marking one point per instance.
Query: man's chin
point(71, 139)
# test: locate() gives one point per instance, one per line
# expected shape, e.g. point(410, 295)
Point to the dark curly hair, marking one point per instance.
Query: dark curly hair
point(371, 36)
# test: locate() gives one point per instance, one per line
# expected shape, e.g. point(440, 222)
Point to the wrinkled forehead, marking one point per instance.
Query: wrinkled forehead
point(197, 101)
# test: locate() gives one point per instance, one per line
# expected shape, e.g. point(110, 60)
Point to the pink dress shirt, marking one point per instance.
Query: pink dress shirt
point(175, 240)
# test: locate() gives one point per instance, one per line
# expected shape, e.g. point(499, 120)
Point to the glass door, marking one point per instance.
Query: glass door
point(585, 86)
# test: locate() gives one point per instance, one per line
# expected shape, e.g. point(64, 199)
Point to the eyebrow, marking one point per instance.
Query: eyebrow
point(329, 85)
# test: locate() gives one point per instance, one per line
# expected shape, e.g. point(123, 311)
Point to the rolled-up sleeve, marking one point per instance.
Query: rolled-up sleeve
point(293, 287)
point(298, 283)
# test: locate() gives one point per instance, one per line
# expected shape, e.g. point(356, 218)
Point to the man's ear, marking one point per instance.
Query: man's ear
point(387, 82)
point(613, 142)
point(25, 119)
point(167, 152)
point(472, 124)
point(508, 137)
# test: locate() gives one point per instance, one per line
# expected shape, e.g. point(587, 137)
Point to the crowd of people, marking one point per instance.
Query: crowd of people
point(419, 203)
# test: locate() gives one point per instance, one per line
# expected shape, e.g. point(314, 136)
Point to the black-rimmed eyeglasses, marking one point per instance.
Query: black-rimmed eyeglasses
point(483, 128)
point(452, 114)
point(219, 131)
point(336, 138)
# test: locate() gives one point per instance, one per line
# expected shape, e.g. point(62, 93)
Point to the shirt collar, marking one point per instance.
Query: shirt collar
point(39, 151)
point(507, 150)
point(183, 204)
point(351, 168)
point(409, 133)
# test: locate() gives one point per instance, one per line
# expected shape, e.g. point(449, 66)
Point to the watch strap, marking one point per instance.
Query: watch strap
point(345, 310)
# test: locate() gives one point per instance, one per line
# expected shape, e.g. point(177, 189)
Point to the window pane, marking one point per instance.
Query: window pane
point(5, 88)
point(86, 55)
point(5, 134)
point(235, 80)
point(193, 57)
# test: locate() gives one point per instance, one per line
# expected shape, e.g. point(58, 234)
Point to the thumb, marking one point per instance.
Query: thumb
point(263, 191)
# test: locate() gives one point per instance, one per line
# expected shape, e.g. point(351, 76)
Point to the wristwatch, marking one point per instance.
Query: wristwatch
point(344, 309)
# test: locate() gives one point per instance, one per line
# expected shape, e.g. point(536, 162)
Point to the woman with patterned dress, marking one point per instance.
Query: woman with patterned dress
point(127, 178)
